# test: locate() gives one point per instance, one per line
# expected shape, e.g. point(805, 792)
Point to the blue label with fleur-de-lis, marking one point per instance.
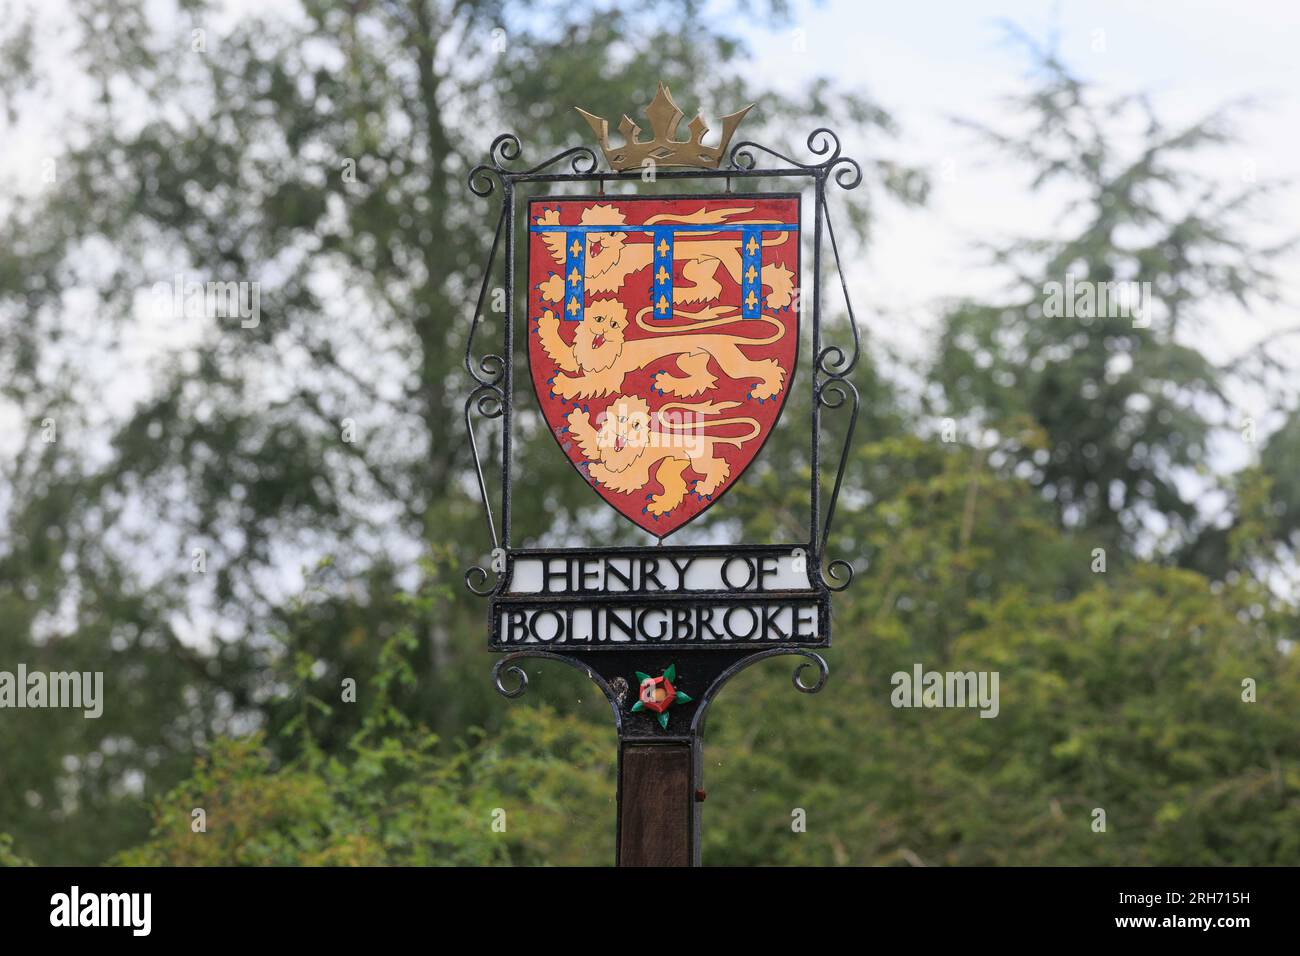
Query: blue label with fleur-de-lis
point(751, 271)
point(661, 284)
point(575, 272)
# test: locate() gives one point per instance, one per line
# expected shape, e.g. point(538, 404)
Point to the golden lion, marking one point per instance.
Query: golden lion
point(611, 258)
point(624, 449)
point(600, 355)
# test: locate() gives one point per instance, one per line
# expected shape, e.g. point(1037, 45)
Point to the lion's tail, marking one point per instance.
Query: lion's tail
point(710, 320)
point(722, 218)
point(709, 408)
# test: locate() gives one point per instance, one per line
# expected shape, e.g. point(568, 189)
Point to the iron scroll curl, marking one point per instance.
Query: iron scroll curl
point(510, 665)
point(811, 658)
point(506, 148)
point(822, 141)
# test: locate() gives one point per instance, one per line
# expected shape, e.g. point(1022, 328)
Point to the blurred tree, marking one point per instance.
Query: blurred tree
point(321, 151)
point(392, 796)
point(1125, 405)
point(1126, 696)
point(1280, 461)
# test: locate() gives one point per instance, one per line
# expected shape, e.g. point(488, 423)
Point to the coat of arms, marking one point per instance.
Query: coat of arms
point(663, 337)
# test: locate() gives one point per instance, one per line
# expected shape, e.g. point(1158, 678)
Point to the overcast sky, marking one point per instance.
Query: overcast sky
point(928, 61)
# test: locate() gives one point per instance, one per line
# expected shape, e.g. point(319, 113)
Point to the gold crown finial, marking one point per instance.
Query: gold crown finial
point(664, 149)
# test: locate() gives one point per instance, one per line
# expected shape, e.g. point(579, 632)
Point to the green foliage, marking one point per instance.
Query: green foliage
point(398, 800)
point(1280, 462)
point(1120, 691)
point(7, 855)
point(539, 792)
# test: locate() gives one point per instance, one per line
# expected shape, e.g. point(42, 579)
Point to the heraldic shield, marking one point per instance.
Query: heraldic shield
point(663, 337)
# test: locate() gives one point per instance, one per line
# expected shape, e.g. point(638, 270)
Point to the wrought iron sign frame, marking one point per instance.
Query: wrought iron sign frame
point(705, 666)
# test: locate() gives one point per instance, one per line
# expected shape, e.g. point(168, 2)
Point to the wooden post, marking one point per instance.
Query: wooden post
point(658, 809)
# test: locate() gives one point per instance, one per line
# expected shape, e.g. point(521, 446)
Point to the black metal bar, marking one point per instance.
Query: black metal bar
point(494, 374)
point(815, 450)
point(659, 550)
point(697, 797)
point(832, 364)
point(651, 598)
point(481, 399)
point(842, 368)
point(487, 400)
point(508, 207)
point(659, 174)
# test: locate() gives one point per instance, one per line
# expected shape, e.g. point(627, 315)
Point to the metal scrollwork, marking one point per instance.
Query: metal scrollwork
point(832, 366)
point(487, 401)
point(846, 172)
point(487, 398)
point(506, 149)
point(620, 668)
point(811, 658)
point(823, 672)
point(510, 664)
point(480, 575)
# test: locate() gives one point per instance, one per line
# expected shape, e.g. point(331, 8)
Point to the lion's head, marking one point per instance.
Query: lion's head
point(603, 248)
point(624, 432)
point(598, 340)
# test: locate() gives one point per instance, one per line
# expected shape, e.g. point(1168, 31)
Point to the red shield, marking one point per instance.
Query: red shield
point(662, 339)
